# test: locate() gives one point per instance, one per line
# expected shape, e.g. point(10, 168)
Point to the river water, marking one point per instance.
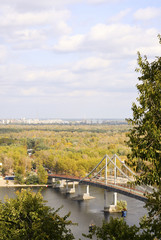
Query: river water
point(85, 212)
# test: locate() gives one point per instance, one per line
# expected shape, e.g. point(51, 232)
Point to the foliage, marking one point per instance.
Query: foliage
point(30, 143)
point(27, 217)
point(115, 229)
point(19, 179)
point(151, 224)
point(145, 141)
point(6, 141)
point(42, 175)
point(32, 179)
point(121, 205)
point(71, 149)
point(145, 136)
point(36, 144)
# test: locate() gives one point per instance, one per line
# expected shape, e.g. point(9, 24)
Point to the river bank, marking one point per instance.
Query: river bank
point(11, 183)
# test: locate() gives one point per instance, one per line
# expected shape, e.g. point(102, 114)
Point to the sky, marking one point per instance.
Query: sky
point(74, 58)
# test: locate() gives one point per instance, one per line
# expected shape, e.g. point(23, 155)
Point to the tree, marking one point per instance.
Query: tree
point(145, 136)
point(19, 178)
point(32, 178)
point(145, 141)
point(27, 217)
point(42, 175)
point(115, 229)
point(151, 225)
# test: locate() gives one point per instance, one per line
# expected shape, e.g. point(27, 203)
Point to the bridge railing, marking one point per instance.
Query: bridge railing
point(125, 187)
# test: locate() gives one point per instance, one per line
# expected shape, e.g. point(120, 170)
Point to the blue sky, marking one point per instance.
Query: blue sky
point(74, 58)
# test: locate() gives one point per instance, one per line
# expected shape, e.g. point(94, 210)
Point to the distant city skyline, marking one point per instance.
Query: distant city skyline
point(74, 58)
point(32, 121)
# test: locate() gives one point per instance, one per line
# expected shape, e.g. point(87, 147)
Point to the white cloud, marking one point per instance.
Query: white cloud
point(100, 32)
point(114, 34)
point(83, 93)
point(11, 73)
point(147, 13)
point(30, 29)
point(16, 19)
point(29, 34)
point(84, 77)
point(69, 43)
point(3, 53)
point(116, 40)
point(37, 5)
point(33, 91)
point(91, 64)
point(100, 1)
point(120, 15)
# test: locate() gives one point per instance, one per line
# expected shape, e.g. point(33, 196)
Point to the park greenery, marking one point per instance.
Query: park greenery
point(72, 150)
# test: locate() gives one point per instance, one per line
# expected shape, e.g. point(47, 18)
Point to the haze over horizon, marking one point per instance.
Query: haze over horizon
point(74, 58)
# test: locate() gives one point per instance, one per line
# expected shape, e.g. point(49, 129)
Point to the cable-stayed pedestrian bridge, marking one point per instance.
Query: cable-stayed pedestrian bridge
point(112, 174)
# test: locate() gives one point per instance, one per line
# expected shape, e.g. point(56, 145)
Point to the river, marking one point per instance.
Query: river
point(85, 212)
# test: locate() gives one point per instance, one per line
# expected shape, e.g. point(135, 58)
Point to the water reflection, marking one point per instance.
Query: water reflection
point(106, 216)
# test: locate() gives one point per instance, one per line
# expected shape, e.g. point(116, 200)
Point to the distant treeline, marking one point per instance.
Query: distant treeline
point(64, 128)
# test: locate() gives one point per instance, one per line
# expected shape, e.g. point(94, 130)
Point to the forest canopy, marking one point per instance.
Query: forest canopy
point(23, 148)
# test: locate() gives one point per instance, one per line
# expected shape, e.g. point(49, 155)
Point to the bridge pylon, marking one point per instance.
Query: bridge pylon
point(110, 170)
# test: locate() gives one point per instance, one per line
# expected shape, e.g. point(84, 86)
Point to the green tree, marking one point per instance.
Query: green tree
point(19, 178)
point(145, 141)
point(27, 217)
point(145, 136)
point(31, 143)
point(151, 225)
point(115, 229)
point(32, 179)
point(42, 175)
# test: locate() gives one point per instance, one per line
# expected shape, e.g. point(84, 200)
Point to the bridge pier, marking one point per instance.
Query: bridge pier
point(70, 190)
point(83, 196)
point(79, 190)
point(87, 190)
point(86, 195)
point(115, 198)
point(66, 185)
point(105, 200)
point(112, 207)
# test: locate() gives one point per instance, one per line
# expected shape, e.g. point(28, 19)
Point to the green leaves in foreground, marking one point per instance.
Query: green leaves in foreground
point(115, 229)
point(26, 217)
